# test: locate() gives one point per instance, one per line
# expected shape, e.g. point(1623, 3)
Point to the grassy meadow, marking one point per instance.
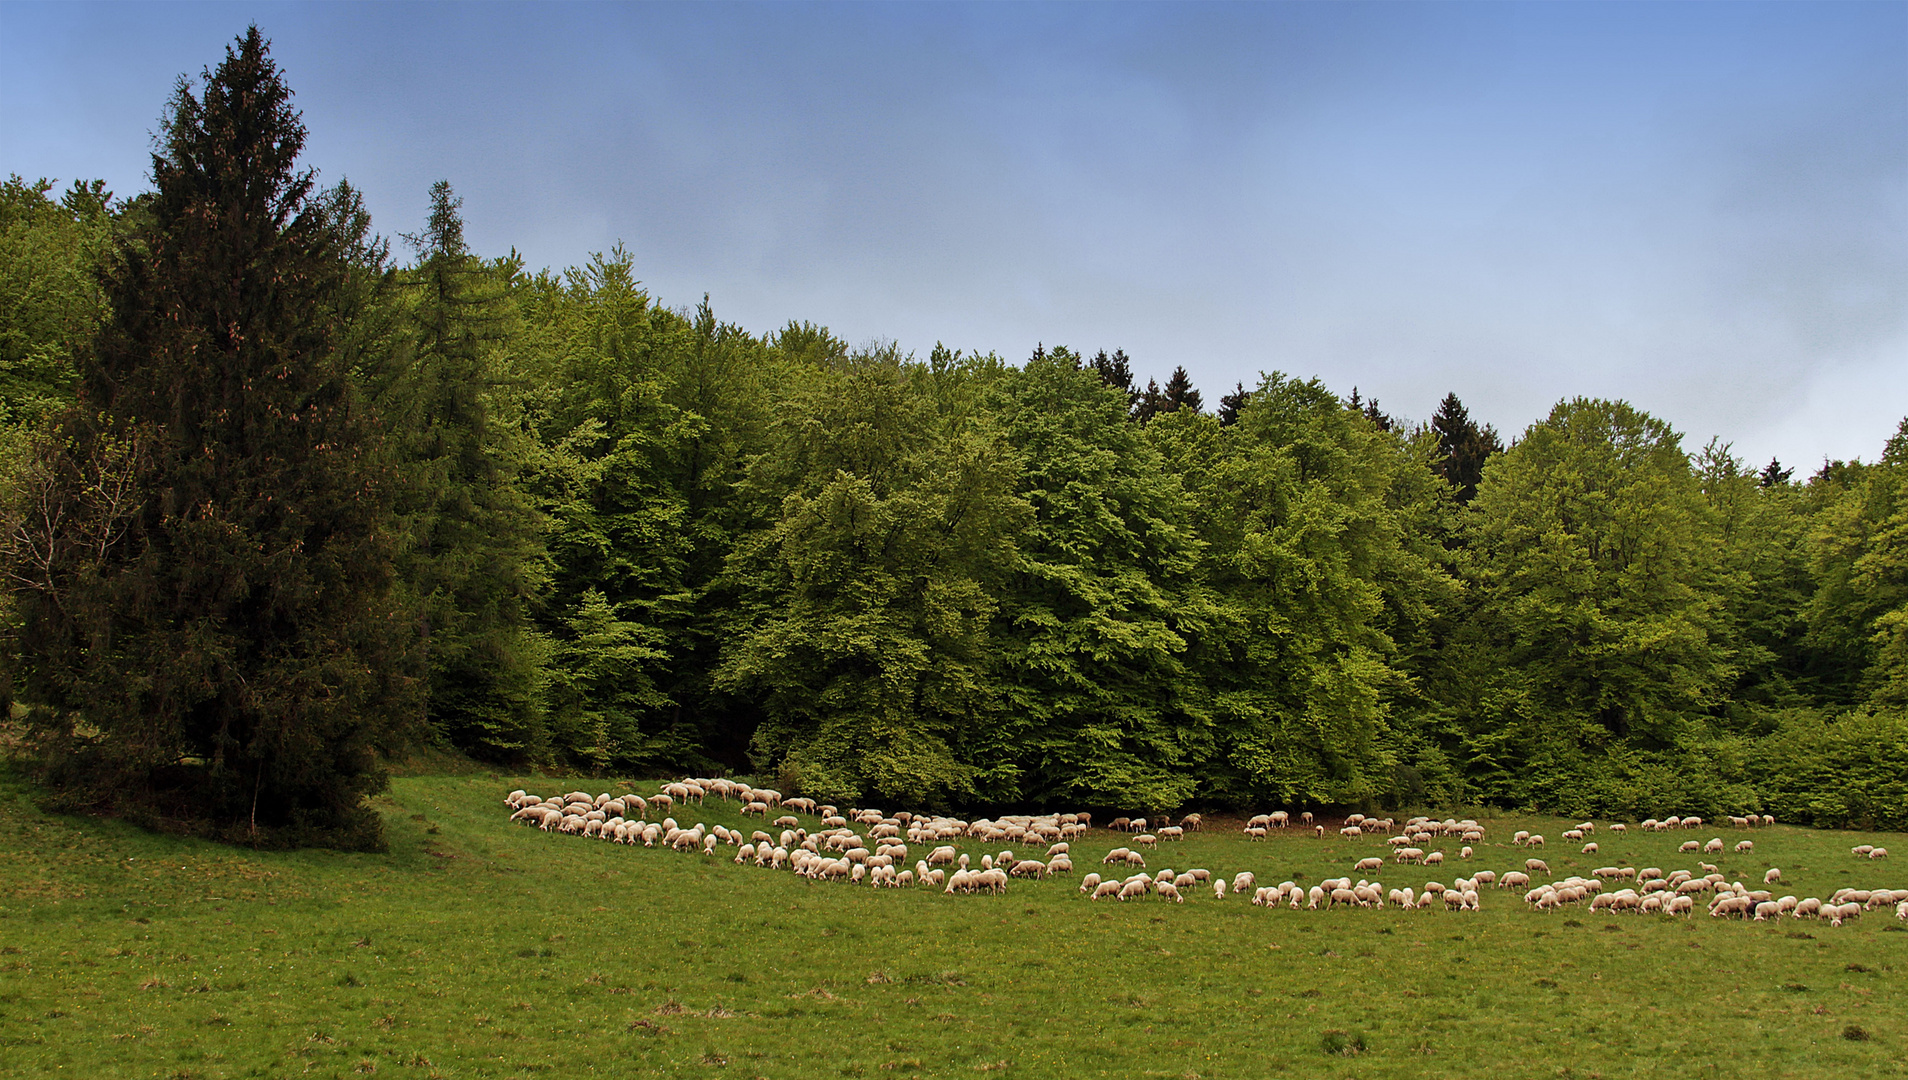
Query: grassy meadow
point(476, 948)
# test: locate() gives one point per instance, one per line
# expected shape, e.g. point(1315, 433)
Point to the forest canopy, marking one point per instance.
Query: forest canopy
point(279, 503)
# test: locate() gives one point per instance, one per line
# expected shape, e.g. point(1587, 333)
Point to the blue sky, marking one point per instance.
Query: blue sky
point(1702, 208)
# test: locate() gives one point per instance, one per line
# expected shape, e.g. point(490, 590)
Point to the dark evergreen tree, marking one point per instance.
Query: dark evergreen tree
point(1774, 475)
point(1369, 410)
point(1465, 446)
point(1179, 393)
point(1117, 371)
point(1230, 404)
point(1149, 402)
point(215, 640)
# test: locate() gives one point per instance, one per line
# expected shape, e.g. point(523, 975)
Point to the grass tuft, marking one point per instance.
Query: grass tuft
point(1342, 1043)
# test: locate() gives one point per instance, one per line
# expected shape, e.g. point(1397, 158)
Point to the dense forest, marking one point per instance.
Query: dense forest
point(283, 498)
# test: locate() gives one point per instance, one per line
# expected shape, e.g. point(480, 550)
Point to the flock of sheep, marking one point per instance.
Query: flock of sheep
point(867, 846)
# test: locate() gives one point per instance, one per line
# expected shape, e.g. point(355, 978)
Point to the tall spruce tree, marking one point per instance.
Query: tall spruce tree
point(218, 643)
point(474, 556)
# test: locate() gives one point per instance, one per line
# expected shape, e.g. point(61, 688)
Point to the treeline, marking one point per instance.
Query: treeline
point(279, 502)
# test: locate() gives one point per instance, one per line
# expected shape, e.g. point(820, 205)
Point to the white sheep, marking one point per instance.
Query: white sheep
point(1743, 847)
point(1590, 848)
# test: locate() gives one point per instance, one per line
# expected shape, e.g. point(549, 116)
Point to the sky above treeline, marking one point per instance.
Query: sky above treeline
point(1698, 208)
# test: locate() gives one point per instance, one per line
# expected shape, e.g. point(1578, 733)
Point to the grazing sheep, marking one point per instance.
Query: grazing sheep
point(1464, 853)
point(1713, 846)
point(1243, 880)
point(1861, 851)
point(1369, 864)
point(1878, 853)
point(1743, 847)
point(1168, 891)
point(1774, 875)
point(1590, 848)
point(1436, 858)
point(1118, 854)
point(1537, 866)
point(1514, 880)
point(1089, 883)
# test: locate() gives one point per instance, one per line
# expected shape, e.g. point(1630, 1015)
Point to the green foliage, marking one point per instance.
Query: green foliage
point(1859, 613)
point(1304, 537)
point(1099, 703)
point(1596, 566)
point(1842, 773)
point(50, 299)
point(863, 606)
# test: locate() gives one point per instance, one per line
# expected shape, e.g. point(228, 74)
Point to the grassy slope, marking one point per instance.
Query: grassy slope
point(480, 949)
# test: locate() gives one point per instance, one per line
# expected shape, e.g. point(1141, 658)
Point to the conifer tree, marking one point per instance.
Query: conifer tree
point(218, 643)
point(1180, 394)
point(474, 554)
point(1466, 446)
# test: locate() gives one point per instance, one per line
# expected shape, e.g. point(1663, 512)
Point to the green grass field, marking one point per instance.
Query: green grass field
point(476, 948)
